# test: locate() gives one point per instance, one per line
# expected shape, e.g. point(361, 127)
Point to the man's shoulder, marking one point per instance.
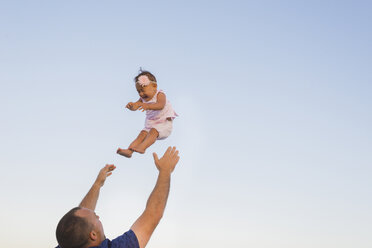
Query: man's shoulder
point(126, 240)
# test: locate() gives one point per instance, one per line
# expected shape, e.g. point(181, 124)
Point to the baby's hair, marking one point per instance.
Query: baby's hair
point(150, 76)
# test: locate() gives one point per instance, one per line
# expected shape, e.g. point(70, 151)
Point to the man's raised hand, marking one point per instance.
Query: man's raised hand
point(168, 162)
point(104, 173)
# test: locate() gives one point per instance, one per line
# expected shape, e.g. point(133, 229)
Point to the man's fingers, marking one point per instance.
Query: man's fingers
point(175, 154)
point(174, 151)
point(167, 151)
point(177, 158)
point(109, 167)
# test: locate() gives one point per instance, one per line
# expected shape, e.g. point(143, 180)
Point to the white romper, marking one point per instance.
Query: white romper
point(162, 119)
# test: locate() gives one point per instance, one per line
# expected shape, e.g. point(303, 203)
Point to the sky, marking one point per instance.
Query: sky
point(274, 130)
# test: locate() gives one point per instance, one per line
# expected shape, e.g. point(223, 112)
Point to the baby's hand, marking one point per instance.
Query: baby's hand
point(129, 105)
point(132, 106)
point(143, 107)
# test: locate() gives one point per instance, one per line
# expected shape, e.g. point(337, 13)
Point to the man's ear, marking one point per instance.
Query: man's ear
point(93, 236)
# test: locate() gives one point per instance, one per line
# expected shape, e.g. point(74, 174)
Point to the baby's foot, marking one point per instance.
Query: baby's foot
point(125, 152)
point(139, 149)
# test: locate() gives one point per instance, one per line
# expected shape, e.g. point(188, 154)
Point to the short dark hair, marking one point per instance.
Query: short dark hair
point(73, 231)
point(145, 73)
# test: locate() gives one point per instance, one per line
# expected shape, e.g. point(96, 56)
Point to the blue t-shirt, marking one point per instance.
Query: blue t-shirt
point(127, 240)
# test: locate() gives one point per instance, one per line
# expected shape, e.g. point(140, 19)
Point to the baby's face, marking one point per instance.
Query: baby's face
point(146, 92)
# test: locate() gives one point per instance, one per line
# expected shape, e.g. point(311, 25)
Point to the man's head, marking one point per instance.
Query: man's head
point(79, 228)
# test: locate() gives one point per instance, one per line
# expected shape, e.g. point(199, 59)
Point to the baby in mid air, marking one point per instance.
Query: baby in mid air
point(159, 114)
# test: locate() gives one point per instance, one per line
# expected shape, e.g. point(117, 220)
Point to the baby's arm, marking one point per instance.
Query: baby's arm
point(134, 105)
point(158, 105)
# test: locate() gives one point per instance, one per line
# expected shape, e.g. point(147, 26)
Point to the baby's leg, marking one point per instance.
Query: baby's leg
point(148, 141)
point(128, 152)
point(141, 136)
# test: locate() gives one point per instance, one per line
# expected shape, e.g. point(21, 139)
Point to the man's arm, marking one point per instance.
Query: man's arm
point(90, 200)
point(145, 225)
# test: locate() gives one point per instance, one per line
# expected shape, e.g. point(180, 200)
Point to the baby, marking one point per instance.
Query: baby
point(159, 114)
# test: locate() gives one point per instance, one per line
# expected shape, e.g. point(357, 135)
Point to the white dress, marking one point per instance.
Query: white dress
point(161, 119)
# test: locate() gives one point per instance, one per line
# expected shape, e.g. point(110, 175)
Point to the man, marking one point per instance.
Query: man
point(81, 227)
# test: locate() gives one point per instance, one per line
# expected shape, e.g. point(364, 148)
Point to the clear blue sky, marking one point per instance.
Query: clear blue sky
point(274, 130)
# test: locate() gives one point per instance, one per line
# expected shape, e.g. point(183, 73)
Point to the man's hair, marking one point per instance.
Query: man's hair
point(145, 73)
point(73, 231)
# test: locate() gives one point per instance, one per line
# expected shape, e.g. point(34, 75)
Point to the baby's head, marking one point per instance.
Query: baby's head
point(146, 85)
